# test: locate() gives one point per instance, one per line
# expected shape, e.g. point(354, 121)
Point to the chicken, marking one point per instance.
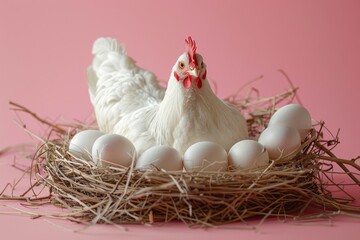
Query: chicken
point(129, 101)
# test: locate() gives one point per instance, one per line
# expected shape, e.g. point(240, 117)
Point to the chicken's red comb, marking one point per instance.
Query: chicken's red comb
point(190, 47)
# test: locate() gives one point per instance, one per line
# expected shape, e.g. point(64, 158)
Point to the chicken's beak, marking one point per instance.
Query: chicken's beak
point(194, 72)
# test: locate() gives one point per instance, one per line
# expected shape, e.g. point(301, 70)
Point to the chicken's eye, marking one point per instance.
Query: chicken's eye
point(181, 65)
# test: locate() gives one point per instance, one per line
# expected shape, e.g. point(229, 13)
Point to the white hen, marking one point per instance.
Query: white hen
point(128, 101)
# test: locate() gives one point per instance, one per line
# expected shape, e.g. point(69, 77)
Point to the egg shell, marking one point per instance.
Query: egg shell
point(248, 154)
point(113, 149)
point(81, 144)
point(205, 156)
point(162, 157)
point(293, 115)
point(280, 141)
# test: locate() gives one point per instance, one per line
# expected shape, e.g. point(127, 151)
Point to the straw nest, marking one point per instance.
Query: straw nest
point(119, 195)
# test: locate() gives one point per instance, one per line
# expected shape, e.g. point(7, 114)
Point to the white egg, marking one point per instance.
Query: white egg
point(295, 116)
point(81, 144)
point(205, 156)
point(248, 154)
point(113, 149)
point(280, 141)
point(162, 157)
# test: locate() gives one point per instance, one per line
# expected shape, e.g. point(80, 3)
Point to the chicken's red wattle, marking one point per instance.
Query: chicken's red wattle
point(187, 82)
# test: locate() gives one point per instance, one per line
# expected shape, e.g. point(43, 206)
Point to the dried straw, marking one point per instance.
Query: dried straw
point(117, 195)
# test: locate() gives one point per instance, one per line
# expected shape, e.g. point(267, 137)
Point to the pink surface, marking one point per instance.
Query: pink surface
point(45, 47)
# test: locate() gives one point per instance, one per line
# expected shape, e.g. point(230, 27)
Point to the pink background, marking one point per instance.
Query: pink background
point(45, 47)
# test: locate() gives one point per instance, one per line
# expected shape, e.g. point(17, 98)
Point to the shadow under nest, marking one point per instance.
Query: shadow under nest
point(117, 195)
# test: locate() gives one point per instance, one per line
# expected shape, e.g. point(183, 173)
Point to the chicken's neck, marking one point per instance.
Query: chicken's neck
point(184, 107)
